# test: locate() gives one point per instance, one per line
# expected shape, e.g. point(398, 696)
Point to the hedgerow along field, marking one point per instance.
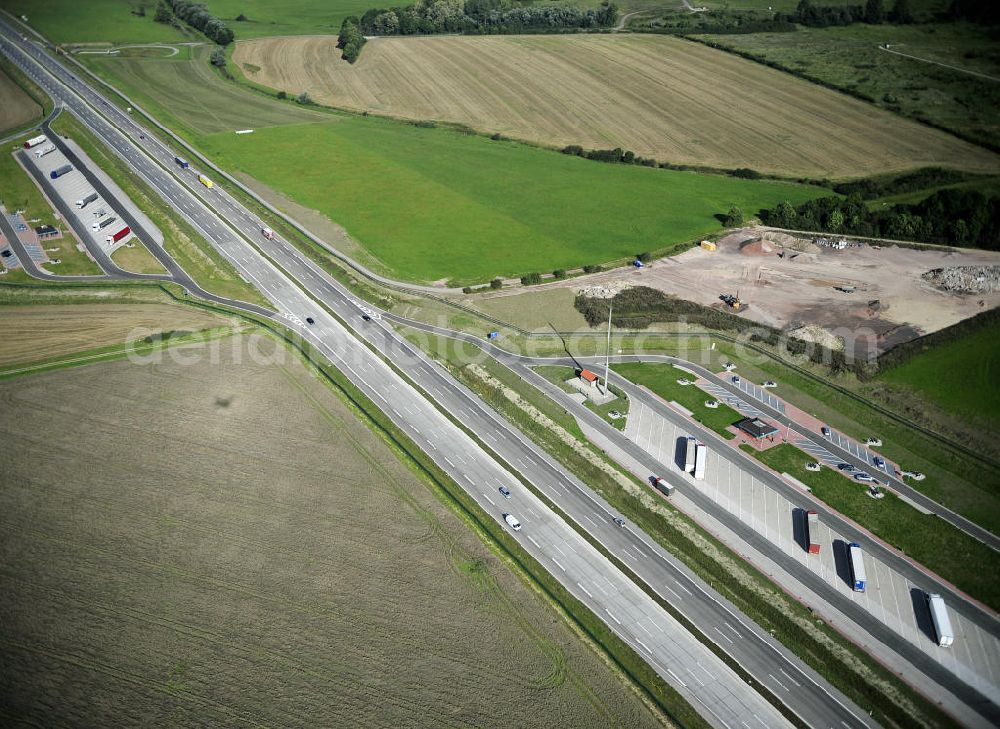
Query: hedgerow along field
point(960, 376)
point(433, 204)
point(254, 575)
point(673, 100)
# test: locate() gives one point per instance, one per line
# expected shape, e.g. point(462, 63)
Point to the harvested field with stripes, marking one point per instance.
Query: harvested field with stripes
point(661, 97)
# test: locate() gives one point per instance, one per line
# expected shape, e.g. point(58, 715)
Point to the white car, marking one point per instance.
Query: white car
point(770, 383)
point(615, 415)
point(512, 522)
point(712, 404)
point(684, 381)
point(873, 442)
point(729, 366)
point(812, 466)
point(862, 476)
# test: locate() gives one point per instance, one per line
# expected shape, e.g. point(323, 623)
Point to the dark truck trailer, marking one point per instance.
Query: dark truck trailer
point(85, 201)
point(182, 162)
point(59, 172)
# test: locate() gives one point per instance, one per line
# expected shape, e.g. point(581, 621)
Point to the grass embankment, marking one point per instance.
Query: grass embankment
point(194, 254)
point(850, 58)
point(137, 259)
point(960, 377)
point(19, 192)
point(662, 380)
point(559, 375)
point(660, 97)
point(433, 204)
point(844, 665)
point(957, 557)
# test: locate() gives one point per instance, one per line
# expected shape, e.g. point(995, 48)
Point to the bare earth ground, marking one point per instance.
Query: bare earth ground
point(174, 554)
point(788, 292)
point(660, 97)
point(16, 107)
point(29, 333)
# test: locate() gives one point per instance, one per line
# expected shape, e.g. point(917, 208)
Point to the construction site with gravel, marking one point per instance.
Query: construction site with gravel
point(827, 290)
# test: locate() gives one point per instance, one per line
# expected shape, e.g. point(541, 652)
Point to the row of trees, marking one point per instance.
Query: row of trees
point(948, 217)
point(873, 11)
point(481, 16)
point(197, 16)
point(350, 39)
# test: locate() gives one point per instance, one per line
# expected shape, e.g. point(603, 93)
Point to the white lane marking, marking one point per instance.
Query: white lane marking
point(677, 678)
point(771, 676)
point(587, 517)
point(612, 616)
point(732, 629)
point(724, 635)
point(707, 672)
point(558, 565)
point(789, 677)
point(532, 540)
point(488, 499)
point(645, 629)
point(629, 554)
point(450, 463)
point(682, 586)
point(466, 477)
point(667, 587)
point(584, 589)
point(646, 647)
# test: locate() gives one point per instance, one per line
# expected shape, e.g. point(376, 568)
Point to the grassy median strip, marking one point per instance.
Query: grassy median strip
point(842, 663)
point(932, 542)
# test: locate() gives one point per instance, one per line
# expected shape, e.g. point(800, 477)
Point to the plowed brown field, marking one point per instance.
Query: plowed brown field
point(665, 98)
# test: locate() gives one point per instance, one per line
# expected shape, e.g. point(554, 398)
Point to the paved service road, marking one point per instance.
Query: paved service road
point(682, 661)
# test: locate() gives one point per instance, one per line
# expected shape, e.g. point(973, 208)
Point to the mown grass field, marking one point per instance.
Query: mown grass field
point(662, 380)
point(306, 578)
point(16, 107)
point(137, 259)
point(185, 93)
point(70, 21)
point(661, 97)
point(960, 377)
point(850, 58)
point(957, 557)
point(432, 204)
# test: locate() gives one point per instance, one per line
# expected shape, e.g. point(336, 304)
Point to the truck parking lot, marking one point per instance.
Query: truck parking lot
point(778, 512)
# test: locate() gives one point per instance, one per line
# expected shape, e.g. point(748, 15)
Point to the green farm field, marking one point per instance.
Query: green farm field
point(95, 21)
point(850, 58)
point(960, 377)
point(436, 205)
point(306, 578)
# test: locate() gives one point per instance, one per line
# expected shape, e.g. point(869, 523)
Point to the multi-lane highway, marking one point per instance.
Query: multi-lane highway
point(293, 284)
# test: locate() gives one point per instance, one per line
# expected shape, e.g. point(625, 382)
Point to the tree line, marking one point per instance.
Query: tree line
point(482, 17)
point(947, 217)
point(350, 39)
point(197, 16)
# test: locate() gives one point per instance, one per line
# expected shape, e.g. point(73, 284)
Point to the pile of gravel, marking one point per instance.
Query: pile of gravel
point(965, 279)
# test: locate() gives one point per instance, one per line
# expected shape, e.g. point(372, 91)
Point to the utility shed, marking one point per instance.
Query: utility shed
point(46, 231)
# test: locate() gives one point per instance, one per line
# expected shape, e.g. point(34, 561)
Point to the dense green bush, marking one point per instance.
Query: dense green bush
point(530, 279)
point(350, 39)
point(496, 284)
